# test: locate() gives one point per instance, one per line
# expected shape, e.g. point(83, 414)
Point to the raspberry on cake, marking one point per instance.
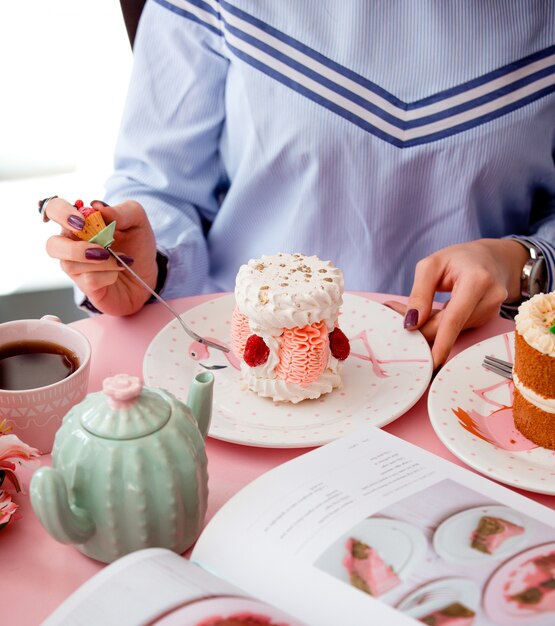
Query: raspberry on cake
point(284, 328)
point(367, 570)
point(456, 614)
point(534, 370)
point(492, 532)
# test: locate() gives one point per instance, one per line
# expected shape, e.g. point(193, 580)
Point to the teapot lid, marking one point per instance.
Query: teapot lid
point(126, 411)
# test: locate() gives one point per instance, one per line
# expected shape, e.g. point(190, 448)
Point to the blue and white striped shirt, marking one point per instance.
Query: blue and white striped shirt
point(368, 133)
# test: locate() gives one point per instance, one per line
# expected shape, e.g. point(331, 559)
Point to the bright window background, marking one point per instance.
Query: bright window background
point(65, 68)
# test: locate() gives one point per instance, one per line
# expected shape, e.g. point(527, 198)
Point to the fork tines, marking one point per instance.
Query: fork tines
point(498, 366)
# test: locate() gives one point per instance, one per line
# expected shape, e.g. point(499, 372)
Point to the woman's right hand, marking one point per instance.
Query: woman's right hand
point(107, 285)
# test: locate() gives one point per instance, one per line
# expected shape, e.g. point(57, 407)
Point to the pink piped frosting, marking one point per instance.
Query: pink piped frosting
point(304, 353)
point(240, 332)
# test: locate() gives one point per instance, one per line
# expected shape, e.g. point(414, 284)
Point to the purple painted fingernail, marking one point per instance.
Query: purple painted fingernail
point(76, 221)
point(96, 254)
point(101, 202)
point(411, 318)
point(129, 260)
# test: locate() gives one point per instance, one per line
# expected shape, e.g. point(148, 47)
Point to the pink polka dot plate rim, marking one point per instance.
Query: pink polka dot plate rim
point(470, 410)
point(386, 373)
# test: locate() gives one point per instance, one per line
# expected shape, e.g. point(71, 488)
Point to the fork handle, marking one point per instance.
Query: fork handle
point(190, 332)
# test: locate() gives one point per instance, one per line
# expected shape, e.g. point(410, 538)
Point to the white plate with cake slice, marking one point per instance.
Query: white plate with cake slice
point(454, 537)
point(521, 592)
point(385, 374)
point(398, 546)
point(439, 594)
point(470, 409)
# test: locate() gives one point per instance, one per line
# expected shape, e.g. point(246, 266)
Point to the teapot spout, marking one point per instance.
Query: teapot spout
point(200, 400)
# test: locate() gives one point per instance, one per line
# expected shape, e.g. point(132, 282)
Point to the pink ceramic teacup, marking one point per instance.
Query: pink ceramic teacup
point(36, 414)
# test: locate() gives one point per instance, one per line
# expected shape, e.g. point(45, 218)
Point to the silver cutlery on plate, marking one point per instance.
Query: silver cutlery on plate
point(498, 366)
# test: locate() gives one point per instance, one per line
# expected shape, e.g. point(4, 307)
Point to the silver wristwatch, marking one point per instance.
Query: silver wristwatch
point(534, 273)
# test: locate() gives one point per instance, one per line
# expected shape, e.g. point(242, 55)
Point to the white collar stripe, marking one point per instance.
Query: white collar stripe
point(357, 99)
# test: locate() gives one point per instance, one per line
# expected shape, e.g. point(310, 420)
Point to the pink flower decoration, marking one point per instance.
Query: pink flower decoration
point(7, 509)
point(13, 452)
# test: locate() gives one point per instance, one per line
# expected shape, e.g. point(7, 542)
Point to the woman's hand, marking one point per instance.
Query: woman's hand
point(480, 275)
point(108, 286)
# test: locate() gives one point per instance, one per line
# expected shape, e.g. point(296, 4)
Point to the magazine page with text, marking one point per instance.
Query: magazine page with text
point(157, 587)
point(370, 527)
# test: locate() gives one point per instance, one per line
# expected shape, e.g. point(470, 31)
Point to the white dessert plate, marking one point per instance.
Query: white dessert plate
point(439, 594)
point(511, 578)
point(452, 538)
point(399, 544)
point(470, 409)
point(386, 373)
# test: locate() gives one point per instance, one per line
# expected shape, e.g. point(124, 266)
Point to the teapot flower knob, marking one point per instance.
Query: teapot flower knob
point(122, 390)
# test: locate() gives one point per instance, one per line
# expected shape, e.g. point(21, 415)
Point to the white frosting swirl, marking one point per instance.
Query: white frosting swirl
point(535, 317)
point(282, 391)
point(545, 404)
point(288, 290)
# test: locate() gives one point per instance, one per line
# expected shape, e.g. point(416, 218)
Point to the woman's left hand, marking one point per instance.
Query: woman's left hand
point(480, 275)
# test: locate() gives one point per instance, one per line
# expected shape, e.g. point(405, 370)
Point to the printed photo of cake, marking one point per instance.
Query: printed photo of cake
point(366, 569)
point(492, 532)
point(455, 614)
point(534, 370)
point(537, 581)
point(285, 328)
point(240, 619)
point(540, 598)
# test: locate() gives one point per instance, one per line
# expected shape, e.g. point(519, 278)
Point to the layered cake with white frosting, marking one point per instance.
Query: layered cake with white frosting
point(285, 328)
point(534, 370)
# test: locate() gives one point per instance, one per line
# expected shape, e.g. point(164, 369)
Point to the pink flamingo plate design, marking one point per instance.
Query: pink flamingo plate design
point(386, 373)
point(471, 412)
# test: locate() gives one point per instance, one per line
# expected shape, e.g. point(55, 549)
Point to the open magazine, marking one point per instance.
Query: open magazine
point(367, 529)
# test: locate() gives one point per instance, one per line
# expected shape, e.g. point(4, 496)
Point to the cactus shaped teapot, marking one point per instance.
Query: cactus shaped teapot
point(129, 470)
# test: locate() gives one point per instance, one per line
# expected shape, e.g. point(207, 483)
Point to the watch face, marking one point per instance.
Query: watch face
point(538, 277)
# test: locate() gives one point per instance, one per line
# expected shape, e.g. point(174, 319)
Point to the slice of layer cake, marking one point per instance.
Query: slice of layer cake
point(285, 329)
point(547, 564)
point(367, 571)
point(540, 598)
point(492, 532)
point(456, 614)
point(534, 370)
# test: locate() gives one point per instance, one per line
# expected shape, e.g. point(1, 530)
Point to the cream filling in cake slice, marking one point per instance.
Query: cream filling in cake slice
point(545, 404)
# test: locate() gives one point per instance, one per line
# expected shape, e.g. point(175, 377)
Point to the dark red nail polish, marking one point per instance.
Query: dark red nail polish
point(411, 318)
point(76, 221)
point(96, 254)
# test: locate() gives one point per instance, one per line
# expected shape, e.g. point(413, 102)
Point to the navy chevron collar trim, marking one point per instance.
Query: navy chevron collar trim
point(361, 101)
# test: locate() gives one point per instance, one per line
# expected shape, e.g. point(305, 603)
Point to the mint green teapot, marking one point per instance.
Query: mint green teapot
point(129, 470)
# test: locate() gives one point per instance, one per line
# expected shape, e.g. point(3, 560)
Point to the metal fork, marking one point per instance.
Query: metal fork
point(498, 366)
point(161, 300)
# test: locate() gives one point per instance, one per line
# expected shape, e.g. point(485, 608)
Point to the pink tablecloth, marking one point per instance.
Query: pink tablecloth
point(37, 573)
